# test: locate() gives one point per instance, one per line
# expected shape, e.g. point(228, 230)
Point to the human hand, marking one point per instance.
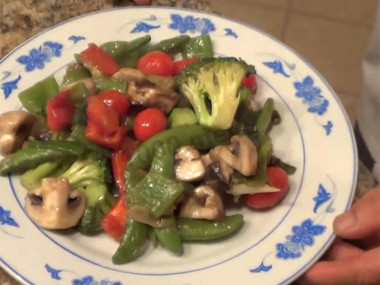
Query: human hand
point(354, 258)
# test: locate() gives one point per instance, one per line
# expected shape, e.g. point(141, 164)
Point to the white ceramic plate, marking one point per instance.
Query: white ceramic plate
point(273, 247)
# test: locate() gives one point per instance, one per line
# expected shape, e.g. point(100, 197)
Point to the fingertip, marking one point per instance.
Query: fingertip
point(344, 222)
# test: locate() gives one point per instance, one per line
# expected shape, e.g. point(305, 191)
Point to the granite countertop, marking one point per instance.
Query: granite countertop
point(22, 19)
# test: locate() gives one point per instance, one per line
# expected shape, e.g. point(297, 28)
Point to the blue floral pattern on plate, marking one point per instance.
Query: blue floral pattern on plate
point(303, 235)
point(144, 27)
point(9, 86)
point(230, 32)
point(311, 95)
point(191, 24)
point(85, 280)
point(277, 67)
point(322, 197)
point(37, 57)
point(76, 39)
point(6, 219)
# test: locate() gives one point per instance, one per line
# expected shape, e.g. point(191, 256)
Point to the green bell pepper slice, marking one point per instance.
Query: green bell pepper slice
point(35, 98)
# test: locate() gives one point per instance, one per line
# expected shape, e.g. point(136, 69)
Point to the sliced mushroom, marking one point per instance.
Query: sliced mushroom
point(89, 83)
point(242, 156)
point(15, 127)
point(149, 94)
point(55, 205)
point(204, 203)
point(188, 167)
point(129, 74)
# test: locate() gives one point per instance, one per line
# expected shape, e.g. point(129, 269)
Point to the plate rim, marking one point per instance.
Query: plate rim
point(19, 277)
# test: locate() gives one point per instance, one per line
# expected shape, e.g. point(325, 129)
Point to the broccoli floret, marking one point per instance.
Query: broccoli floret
point(31, 179)
point(86, 171)
point(98, 203)
point(92, 176)
point(212, 87)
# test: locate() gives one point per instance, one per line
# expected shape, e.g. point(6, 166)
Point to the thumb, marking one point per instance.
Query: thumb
point(363, 269)
point(362, 220)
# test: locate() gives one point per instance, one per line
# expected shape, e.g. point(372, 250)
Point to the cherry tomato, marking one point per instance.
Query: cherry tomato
point(149, 122)
point(156, 63)
point(250, 82)
point(277, 178)
point(116, 100)
point(180, 65)
point(60, 111)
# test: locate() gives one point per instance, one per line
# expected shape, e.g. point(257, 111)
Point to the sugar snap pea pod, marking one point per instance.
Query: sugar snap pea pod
point(163, 163)
point(198, 230)
point(35, 98)
point(172, 45)
point(134, 239)
point(79, 134)
point(265, 117)
point(74, 74)
point(118, 49)
point(70, 147)
point(104, 83)
point(200, 46)
point(79, 93)
point(27, 158)
point(195, 135)
point(169, 238)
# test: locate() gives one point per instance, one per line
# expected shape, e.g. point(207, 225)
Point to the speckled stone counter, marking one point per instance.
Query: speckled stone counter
point(22, 19)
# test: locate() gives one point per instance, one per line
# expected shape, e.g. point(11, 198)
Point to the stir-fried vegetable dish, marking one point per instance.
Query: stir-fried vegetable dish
point(145, 147)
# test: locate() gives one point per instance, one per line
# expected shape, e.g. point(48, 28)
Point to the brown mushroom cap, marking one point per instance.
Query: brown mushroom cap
point(189, 166)
point(204, 203)
point(55, 205)
point(15, 126)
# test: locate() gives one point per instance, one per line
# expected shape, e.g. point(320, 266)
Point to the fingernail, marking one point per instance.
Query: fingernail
point(344, 222)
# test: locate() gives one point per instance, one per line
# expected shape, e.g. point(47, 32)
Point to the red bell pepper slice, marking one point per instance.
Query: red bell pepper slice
point(104, 117)
point(94, 56)
point(114, 141)
point(119, 161)
point(114, 222)
point(116, 100)
point(180, 65)
point(60, 111)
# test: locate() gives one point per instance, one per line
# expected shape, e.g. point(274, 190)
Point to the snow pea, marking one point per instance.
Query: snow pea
point(171, 46)
point(169, 237)
point(75, 73)
point(200, 46)
point(195, 135)
point(35, 98)
point(119, 49)
point(79, 93)
point(70, 147)
point(202, 230)
point(133, 241)
point(163, 163)
point(104, 83)
point(29, 157)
